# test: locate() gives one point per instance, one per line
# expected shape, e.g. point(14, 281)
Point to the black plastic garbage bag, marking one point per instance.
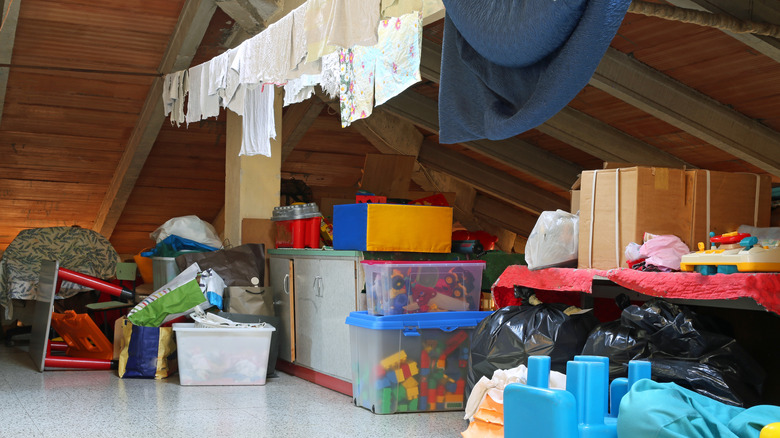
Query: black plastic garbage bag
point(683, 348)
point(507, 337)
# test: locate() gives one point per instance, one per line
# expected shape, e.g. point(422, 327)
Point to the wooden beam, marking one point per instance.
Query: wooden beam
point(513, 152)
point(605, 142)
point(7, 37)
point(251, 15)
point(296, 121)
point(389, 133)
point(757, 10)
point(573, 127)
point(193, 21)
point(679, 105)
point(505, 216)
point(488, 179)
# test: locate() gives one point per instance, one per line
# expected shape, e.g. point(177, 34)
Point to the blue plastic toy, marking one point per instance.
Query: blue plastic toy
point(581, 411)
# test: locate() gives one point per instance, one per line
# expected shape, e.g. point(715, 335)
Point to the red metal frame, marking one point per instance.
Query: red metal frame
point(80, 362)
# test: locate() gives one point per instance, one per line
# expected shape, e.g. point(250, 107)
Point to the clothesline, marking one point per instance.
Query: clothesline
point(348, 47)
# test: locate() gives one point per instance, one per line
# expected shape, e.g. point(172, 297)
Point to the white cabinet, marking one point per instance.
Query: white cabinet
point(314, 302)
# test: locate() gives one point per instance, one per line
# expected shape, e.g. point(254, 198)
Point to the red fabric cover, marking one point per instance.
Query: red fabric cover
point(764, 288)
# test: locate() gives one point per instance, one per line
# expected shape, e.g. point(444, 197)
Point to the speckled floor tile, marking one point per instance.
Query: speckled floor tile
point(99, 404)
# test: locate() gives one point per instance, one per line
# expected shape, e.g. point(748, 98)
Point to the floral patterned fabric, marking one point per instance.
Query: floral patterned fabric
point(356, 92)
point(398, 61)
point(77, 249)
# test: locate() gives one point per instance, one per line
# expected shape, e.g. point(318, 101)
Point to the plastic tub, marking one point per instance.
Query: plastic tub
point(222, 356)
point(394, 287)
point(297, 226)
point(411, 363)
point(164, 270)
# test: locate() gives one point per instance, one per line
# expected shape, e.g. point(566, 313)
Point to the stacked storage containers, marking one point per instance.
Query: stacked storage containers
point(410, 349)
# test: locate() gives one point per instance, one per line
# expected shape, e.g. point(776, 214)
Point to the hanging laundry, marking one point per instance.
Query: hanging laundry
point(397, 8)
point(175, 88)
point(334, 24)
point(508, 67)
point(298, 48)
point(258, 121)
point(209, 102)
point(300, 89)
point(194, 112)
point(356, 89)
point(331, 75)
point(266, 58)
point(233, 95)
point(398, 61)
point(218, 68)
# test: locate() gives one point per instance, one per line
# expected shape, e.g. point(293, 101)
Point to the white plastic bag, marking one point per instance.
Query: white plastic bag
point(189, 227)
point(553, 241)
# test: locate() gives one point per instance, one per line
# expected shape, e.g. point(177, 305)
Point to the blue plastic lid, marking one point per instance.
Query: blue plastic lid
point(446, 321)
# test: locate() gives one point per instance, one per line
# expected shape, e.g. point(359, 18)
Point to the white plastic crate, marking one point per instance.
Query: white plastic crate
point(222, 356)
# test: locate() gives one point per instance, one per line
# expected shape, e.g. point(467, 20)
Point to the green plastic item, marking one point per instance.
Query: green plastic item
point(413, 404)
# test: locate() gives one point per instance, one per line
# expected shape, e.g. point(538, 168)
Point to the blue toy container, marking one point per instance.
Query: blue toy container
point(411, 362)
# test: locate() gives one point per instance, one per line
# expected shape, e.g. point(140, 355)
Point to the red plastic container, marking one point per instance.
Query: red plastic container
point(297, 226)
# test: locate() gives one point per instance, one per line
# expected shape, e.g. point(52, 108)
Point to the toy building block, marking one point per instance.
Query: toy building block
point(413, 404)
point(413, 369)
point(403, 407)
point(379, 371)
point(402, 393)
point(412, 392)
point(399, 374)
point(406, 370)
point(387, 399)
point(424, 385)
point(460, 386)
point(393, 360)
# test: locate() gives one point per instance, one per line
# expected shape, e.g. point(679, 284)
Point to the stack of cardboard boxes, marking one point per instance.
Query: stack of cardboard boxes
point(618, 205)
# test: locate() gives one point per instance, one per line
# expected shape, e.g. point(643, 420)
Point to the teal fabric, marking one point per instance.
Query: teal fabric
point(667, 410)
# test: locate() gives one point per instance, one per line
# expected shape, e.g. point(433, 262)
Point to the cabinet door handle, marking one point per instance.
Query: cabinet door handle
point(322, 288)
point(317, 286)
point(286, 284)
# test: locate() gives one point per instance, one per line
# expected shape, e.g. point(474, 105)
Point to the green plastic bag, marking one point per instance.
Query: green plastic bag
point(178, 297)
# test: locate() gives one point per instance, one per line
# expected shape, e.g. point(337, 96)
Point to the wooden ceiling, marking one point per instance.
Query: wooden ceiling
point(83, 141)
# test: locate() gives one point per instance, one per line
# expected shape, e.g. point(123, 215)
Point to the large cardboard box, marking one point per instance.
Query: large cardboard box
point(617, 206)
point(722, 201)
point(635, 200)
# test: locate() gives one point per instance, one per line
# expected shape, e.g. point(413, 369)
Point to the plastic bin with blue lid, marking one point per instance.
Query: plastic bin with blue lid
point(398, 287)
point(411, 362)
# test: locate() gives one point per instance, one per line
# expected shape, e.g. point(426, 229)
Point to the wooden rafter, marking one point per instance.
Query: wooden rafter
point(764, 10)
point(573, 127)
point(605, 142)
point(193, 21)
point(296, 121)
point(515, 153)
point(503, 215)
point(679, 105)
point(7, 37)
point(488, 179)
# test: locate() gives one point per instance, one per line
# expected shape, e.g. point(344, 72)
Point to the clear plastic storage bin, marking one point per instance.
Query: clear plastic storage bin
point(222, 356)
point(394, 287)
point(411, 363)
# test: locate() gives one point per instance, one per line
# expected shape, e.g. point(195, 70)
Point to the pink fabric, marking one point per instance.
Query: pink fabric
point(764, 288)
point(664, 251)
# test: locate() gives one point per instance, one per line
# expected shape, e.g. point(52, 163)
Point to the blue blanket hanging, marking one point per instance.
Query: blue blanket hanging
point(509, 65)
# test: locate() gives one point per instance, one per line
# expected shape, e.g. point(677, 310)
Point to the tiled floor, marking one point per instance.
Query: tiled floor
point(94, 404)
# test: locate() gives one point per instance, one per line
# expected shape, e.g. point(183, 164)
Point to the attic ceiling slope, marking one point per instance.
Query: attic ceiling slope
point(192, 24)
point(7, 36)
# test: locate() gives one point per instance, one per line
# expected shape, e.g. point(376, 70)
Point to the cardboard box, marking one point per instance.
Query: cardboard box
point(664, 201)
point(734, 199)
point(392, 227)
point(624, 204)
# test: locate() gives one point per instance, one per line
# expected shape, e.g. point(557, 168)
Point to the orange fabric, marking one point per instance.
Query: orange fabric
point(488, 420)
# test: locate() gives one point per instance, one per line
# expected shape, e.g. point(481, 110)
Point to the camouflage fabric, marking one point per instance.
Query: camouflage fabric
point(77, 249)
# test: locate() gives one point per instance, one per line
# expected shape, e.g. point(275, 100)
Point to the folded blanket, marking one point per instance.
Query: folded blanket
point(508, 66)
